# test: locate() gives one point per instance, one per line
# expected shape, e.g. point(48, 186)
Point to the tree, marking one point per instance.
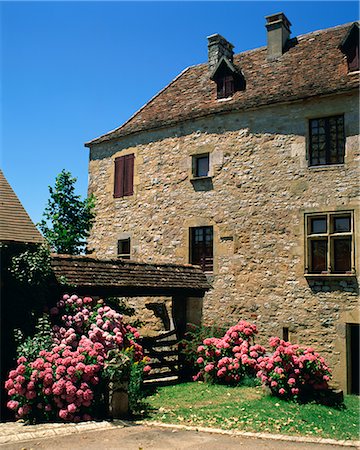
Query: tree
point(67, 219)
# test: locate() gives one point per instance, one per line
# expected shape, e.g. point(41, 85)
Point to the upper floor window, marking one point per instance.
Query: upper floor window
point(350, 47)
point(327, 141)
point(330, 243)
point(124, 248)
point(201, 248)
point(124, 176)
point(225, 86)
point(200, 165)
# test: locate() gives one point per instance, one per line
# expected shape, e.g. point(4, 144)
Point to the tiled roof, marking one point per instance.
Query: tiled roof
point(15, 223)
point(89, 272)
point(312, 65)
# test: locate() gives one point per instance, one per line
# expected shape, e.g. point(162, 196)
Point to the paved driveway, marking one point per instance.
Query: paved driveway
point(142, 437)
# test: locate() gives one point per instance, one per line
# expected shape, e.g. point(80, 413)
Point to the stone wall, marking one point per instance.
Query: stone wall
point(259, 190)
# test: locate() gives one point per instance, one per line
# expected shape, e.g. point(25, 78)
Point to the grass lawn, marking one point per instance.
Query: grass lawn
point(251, 409)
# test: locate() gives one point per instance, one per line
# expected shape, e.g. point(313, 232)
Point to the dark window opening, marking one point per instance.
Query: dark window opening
point(225, 86)
point(327, 141)
point(318, 259)
point(342, 255)
point(124, 176)
point(201, 248)
point(124, 248)
point(353, 360)
point(201, 165)
point(350, 48)
point(286, 334)
point(352, 55)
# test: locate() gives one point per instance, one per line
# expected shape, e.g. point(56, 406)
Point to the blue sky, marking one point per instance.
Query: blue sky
point(72, 71)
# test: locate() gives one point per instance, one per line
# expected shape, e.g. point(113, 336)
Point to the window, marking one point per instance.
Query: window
point(225, 86)
point(350, 47)
point(352, 56)
point(201, 248)
point(124, 176)
point(327, 141)
point(201, 165)
point(330, 243)
point(286, 334)
point(124, 248)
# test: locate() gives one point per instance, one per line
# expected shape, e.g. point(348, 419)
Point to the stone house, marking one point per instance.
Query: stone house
point(248, 165)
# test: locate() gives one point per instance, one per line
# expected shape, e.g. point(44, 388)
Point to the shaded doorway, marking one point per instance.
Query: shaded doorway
point(353, 373)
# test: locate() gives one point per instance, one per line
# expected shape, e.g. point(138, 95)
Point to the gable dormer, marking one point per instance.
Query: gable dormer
point(223, 72)
point(350, 47)
point(228, 78)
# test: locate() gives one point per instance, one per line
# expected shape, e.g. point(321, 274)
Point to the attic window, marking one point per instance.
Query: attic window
point(228, 78)
point(350, 47)
point(352, 56)
point(225, 86)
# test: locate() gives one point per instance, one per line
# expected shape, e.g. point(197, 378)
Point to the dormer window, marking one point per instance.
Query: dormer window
point(228, 79)
point(225, 86)
point(350, 47)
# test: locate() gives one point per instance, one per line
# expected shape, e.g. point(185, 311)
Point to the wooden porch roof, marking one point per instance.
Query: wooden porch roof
point(92, 276)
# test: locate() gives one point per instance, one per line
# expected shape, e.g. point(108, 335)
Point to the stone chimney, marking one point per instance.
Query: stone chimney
point(278, 32)
point(218, 46)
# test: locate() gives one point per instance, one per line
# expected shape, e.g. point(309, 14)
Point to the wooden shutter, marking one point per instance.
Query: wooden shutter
point(119, 177)
point(129, 175)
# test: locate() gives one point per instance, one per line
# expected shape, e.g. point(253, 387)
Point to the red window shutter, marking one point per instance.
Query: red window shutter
point(129, 175)
point(119, 177)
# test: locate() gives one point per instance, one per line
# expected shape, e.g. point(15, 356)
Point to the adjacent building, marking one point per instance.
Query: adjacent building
point(248, 165)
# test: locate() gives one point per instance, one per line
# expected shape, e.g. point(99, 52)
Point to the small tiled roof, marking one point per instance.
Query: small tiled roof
point(15, 223)
point(312, 65)
point(93, 273)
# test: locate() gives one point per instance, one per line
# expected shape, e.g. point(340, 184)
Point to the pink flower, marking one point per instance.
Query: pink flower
point(71, 408)
point(12, 404)
point(291, 381)
point(281, 391)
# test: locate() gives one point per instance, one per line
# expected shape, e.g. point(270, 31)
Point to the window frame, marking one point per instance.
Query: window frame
point(207, 262)
point(124, 175)
point(225, 86)
point(328, 137)
point(122, 254)
point(195, 160)
point(330, 236)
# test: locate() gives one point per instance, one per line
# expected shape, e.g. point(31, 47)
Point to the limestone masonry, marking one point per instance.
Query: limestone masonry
point(264, 157)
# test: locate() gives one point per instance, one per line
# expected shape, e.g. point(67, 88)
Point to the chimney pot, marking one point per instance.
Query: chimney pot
point(278, 33)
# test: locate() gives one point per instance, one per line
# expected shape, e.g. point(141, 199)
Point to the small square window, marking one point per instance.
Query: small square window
point(201, 165)
point(124, 248)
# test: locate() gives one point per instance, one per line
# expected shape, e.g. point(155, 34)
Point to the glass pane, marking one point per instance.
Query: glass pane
point(341, 224)
point(124, 247)
point(202, 166)
point(318, 225)
point(318, 257)
point(342, 255)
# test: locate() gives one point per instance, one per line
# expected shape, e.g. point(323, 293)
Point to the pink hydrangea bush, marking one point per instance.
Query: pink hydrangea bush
point(292, 371)
point(65, 382)
point(228, 359)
